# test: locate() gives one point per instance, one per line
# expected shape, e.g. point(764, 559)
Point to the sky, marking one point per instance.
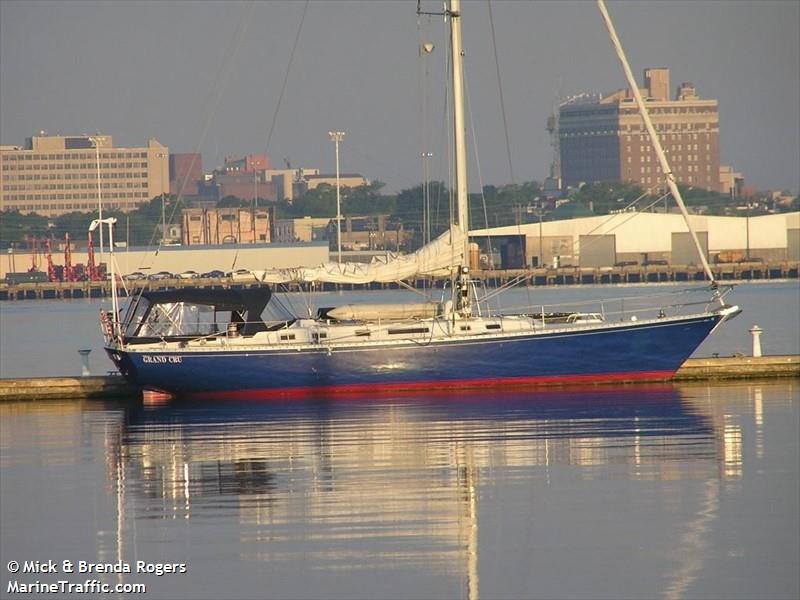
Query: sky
point(208, 77)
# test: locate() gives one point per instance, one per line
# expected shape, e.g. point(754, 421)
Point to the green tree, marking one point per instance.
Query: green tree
point(15, 227)
point(604, 196)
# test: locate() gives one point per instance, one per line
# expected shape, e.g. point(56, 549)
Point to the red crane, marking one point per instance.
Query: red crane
point(34, 242)
point(51, 268)
point(92, 272)
point(69, 270)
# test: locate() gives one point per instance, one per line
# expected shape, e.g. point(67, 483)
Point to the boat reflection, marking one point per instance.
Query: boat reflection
point(356, 483)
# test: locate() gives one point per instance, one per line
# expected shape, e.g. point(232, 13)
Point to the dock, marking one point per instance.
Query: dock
point(544, 276)
point(114, 387)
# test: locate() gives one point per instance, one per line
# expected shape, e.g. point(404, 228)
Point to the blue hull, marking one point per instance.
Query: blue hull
point(629, 352)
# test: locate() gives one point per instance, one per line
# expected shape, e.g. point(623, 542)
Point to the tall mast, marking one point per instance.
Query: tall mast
point(459, 132)
point(665, 168)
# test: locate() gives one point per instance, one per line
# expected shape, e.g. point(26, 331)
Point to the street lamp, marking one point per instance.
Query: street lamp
point(162, 156)
point(426, 197)
point(336, 137)
point(96, 140)
point(110, 222)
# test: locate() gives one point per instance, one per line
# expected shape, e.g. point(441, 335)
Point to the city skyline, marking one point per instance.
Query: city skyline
point(137, 71)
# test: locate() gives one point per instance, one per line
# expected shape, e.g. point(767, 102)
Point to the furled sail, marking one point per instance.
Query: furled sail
point(439, 257)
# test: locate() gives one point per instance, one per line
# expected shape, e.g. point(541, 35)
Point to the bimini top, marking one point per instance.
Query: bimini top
point(193, 312)
point(251, 299)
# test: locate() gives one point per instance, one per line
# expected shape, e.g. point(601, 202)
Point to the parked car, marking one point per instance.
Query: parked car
point(188, 275)
point(135, 276)
point(161, 275)
point(242, 275)
point(215, 274)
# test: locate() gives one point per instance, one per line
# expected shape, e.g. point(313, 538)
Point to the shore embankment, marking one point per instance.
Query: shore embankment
point(114, 387)
point(543, 276)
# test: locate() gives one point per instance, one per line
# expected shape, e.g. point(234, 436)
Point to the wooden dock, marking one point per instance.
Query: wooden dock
point(114, 387)
point(544, 276)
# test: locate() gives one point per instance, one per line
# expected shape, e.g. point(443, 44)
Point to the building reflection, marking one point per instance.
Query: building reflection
point(356, 483)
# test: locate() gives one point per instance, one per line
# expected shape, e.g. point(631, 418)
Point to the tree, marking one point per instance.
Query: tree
point(367, 200)
point(604, 196)
point(16, 227)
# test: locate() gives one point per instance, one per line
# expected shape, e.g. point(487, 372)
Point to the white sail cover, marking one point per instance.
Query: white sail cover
point(439, 257)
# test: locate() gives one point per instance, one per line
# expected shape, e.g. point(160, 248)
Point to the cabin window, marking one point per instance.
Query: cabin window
point(493, 326)
point(409, 330)
point(466, 328)
point(172, 319)
point(286, 337)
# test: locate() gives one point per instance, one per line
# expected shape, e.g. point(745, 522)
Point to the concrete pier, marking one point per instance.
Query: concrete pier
point(111, 387)
point(739, 367)
point(545, 276)
point(114, 387)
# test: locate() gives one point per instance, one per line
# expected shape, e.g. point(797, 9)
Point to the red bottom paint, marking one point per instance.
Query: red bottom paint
point(420, 386)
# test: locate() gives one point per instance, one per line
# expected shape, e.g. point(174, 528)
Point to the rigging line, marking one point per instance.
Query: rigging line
point(611, 217)
point(505, 120)
point(422, 73)
point(478, 164)
point(500, 89)
point(665, 167)
point(286, 75)
point(588, 244)
point(219, 88)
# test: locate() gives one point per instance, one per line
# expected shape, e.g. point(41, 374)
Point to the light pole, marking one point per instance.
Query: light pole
point(162, 156)
point(114, 300)
point(96, 140)
point(336, 137)
point(426, 195)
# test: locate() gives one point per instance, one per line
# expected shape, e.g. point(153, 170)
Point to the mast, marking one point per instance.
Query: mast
point(459, 133)
point(662, 158)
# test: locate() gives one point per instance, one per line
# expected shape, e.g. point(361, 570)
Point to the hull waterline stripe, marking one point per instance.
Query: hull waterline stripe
point(412, 387)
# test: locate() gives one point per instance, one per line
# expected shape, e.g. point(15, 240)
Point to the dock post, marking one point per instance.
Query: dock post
point(84, 352)
point(756, 332)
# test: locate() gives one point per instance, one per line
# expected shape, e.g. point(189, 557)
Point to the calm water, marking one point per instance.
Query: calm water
point(39, 338)
point(664, 491)
point(668, 491)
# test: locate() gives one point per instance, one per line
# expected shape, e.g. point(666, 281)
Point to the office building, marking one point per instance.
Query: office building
point(604, 139)
point(227, 226)
point(185, 173)
point(53, 175)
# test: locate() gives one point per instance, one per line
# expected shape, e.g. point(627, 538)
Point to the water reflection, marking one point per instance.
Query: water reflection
point(351, 484)
point(437, 484)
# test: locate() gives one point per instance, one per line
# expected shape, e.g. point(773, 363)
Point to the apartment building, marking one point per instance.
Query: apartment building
point(604, 139)
point(227, 226)
point(53, 175)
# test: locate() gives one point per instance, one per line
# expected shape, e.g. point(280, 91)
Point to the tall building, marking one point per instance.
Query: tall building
point(185, 173)
point(53, 175)
point(604, 139)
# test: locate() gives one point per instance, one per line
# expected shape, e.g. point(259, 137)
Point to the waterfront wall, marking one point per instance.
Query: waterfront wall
point(494, 278)
point(176, 259)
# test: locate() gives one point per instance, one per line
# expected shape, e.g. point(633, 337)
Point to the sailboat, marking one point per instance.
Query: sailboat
point(218, 344)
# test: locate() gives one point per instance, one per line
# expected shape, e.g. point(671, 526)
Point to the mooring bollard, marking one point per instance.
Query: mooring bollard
point(84, 352)
point(756, 333)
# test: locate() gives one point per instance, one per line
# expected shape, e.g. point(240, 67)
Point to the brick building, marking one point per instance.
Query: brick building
point(185, 173)
point(226, 226)
point(604, 139)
